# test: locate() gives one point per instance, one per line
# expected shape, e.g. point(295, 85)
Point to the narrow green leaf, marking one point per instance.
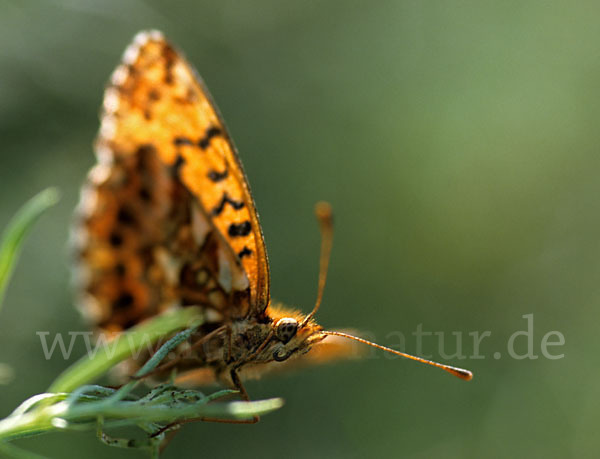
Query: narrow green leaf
point(135, 340)
point(153, 362)
point(32, 401)
point(17, 229)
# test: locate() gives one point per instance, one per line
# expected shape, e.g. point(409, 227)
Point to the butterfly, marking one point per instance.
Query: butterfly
point(166, 220)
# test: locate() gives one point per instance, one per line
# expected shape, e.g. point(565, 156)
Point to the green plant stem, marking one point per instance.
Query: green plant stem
point(60, 415)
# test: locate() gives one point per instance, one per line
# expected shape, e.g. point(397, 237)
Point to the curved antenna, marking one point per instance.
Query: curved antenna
point(458, 372)
point(325, 216)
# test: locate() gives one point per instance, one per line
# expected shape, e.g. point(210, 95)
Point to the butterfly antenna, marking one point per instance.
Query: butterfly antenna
point(325, 217)
point(458, 372)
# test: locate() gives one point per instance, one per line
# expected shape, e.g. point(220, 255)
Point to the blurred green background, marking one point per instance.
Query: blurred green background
point(458, 144)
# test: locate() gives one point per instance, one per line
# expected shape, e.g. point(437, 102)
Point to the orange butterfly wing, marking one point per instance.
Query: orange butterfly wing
point(161, 130)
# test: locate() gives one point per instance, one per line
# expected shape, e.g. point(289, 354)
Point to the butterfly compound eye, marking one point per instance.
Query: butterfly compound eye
point(286, 329)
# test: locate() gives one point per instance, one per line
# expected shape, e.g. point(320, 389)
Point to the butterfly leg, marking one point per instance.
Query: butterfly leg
point(176, 425)
point(237, 382)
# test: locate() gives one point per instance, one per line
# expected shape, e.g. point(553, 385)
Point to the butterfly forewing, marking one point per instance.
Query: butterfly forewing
point(166, 217)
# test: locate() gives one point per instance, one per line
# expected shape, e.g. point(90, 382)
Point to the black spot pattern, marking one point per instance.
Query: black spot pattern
point(177, 165)
point(237, 205)
point(211, 132)
point(153, 95)
point(120, 269)
point(145, 194)
point(125, 216)
point(239, 229)
point(245, 252)
point(124, 301)
point(178, 141)
point(115, 239)
point(217, 176)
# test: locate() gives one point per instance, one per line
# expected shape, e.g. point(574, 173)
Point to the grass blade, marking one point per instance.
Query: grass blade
point(89, 368)
point(17, 229)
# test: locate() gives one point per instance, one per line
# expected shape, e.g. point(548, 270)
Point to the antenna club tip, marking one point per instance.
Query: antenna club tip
point(323, 210)
point(465, 375)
